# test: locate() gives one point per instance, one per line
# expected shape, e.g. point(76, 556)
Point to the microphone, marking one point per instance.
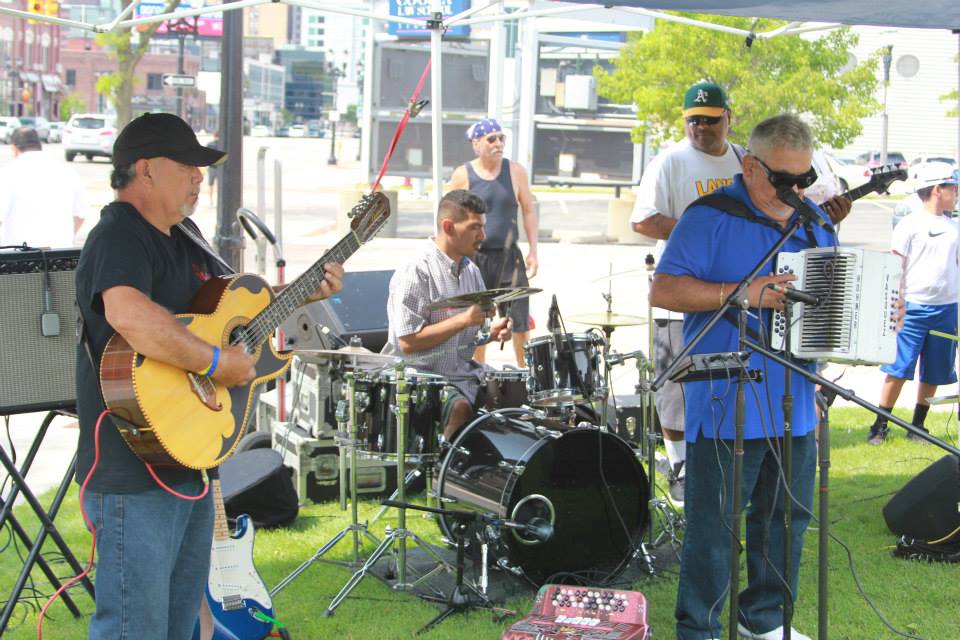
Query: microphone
point(798, 295)
point(788, 196)
point(553, 316)
point(538, 528)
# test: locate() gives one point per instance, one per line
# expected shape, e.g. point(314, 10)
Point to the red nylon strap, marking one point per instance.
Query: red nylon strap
point(412, 110)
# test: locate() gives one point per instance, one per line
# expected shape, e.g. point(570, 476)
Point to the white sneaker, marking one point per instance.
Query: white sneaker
point(773, 634)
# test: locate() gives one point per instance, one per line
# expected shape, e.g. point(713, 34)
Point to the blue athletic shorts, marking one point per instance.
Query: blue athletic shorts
point(937, 355)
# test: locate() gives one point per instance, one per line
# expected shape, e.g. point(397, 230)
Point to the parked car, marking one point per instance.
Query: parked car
point(297, 131)
point(7, 125)
point(283, 132)
point(872, 159)
point(56, 132)
point(38, 123)
point(827, 184)
point(917, 164)
point(260, 131)
point(850, 173)
point(90, 135)
point(315, 131)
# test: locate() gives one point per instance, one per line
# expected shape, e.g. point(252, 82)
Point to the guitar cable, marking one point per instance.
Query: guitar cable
point(89, 523)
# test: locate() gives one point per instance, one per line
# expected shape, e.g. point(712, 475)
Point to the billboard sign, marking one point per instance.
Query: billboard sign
point(209, 25)
point(420, 9)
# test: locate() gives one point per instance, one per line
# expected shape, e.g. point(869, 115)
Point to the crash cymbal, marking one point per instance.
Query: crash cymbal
point(487, 297)
point(608, 319)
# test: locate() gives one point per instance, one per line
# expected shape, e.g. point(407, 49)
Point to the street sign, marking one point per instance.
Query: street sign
point(175, 80)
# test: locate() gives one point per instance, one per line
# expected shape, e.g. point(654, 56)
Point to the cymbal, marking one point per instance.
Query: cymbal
point(483, 298)
point(608, 319)
point(636, 273)
point(356, 356)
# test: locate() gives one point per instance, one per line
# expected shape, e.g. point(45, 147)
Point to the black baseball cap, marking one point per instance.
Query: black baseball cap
point(155, 135)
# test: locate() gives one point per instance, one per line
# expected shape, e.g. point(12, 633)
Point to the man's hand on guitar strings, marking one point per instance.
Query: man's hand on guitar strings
point(236, 366)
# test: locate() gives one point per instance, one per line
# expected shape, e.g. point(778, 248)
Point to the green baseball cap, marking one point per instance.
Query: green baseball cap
point(704, 99)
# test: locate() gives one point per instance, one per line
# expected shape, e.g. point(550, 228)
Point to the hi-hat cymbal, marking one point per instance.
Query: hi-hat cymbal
point(487, 297)
point(608, 319)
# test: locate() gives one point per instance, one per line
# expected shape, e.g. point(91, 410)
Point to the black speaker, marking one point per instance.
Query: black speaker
point(255, 482)
point(928, 507)
point(37, 330)
point(360, 309)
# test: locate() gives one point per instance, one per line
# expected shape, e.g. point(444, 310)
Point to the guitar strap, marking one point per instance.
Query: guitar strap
point(192, 231)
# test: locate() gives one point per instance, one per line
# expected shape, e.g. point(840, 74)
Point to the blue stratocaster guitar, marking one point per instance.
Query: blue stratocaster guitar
point(235, 590)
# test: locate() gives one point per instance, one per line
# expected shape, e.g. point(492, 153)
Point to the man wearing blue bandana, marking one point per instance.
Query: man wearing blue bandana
point(504, 187)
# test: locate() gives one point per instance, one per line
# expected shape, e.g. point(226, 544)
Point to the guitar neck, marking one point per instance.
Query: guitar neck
point(858, 192)
point(299, 291)
point(877, 182)
point(221, 529)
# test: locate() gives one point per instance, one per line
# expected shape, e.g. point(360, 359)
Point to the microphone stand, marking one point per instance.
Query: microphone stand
point(738, 299)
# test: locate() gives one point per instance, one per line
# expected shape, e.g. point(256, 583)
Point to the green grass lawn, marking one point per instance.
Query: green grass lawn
point(917, 598)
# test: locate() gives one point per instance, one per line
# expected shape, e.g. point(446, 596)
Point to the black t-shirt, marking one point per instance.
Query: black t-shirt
point(123, 249)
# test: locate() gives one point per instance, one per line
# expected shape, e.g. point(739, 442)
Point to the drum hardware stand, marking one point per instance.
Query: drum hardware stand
point(395, 536)
point(462, 596)
point(347, 421)
point(671, 521)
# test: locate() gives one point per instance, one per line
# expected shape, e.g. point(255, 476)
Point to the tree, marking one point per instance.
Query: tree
point(952, 97)
point(785, 73)
point(127, 45)
point(72, 103)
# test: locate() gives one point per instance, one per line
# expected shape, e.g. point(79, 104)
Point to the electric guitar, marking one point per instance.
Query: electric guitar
point(880, 180)
point(169, 416)
point(235, 590)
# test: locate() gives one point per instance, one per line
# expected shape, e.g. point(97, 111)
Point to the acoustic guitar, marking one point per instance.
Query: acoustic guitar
point(169, 416)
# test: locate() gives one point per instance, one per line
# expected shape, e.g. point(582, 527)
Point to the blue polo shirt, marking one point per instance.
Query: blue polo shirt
point(714, 246)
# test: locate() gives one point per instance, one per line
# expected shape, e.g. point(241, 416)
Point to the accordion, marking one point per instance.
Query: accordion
point(855, 322)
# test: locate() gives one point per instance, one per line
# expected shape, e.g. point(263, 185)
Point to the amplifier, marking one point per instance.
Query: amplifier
point(37, 330)
point(359, 309)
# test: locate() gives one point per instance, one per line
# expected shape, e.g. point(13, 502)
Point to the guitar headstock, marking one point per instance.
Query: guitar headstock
point(369, 215)
point(883, 177)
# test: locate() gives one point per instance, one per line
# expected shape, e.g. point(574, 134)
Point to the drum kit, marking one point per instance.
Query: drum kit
point(552, 488)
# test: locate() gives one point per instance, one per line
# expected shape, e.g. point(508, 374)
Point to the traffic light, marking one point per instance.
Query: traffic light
point(51, 8)
point(35, 6)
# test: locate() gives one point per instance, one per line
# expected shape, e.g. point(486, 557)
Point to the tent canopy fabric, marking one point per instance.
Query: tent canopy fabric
point(927, 14)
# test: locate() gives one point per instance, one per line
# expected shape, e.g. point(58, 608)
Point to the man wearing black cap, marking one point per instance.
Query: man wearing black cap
point(31, 211)
point(139, 267)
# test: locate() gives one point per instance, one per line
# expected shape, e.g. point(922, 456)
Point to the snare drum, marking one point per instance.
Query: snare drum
point(585, 483)
point(378, 420)
point(564, 369)
point(505, 389)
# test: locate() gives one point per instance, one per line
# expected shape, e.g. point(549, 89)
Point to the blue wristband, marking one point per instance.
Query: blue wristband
point(213, 363)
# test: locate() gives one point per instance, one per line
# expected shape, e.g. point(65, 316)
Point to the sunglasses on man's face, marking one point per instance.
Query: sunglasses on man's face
point(698, 120)
point(780, 179)
point(495, 137)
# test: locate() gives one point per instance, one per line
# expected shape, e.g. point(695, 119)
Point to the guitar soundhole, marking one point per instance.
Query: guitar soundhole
point(240, 335)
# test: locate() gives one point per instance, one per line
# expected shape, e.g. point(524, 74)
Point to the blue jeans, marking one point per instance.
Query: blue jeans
point(153, 559)
point(705, 558)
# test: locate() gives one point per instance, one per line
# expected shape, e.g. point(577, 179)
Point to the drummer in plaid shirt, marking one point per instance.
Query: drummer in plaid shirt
point(444, 341)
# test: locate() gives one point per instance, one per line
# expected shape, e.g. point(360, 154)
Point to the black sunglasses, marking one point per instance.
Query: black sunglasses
point(697, 120)
point(781, 179)
point(496, 137)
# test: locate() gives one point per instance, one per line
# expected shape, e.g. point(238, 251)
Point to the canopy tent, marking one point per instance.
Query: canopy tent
point(928, 14)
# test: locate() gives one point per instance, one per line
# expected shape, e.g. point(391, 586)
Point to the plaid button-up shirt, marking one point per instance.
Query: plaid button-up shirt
point(433, 276)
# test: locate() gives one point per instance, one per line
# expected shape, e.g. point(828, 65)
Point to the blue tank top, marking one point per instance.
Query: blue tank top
point(501, 228)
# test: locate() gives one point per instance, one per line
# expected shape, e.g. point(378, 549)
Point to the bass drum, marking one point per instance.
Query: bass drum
point(585, 482)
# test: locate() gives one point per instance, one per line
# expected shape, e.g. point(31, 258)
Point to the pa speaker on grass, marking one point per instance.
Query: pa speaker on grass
point(927, 508)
